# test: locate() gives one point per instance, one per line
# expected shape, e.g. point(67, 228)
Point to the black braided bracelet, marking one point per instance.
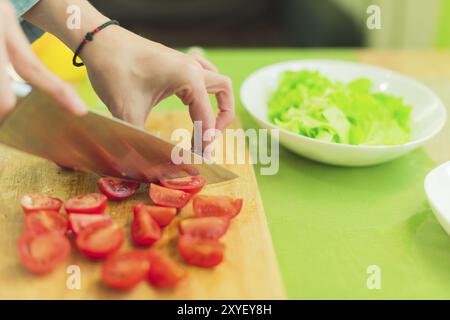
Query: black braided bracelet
point(89, 37)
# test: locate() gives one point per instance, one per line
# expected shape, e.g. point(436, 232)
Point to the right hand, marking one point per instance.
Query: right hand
point(15, 49)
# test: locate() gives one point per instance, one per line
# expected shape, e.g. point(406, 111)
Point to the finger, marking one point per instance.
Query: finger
point(33, 71)
point(201, 113)
point(7, 96)
point(204, 62)
point(221, 86)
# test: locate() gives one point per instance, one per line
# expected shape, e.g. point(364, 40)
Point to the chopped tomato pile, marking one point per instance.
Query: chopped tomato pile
point(37, 202)
point(117, 189)
point(166, 197)
point(187, 184)
point(45, 242)
point(86, 203)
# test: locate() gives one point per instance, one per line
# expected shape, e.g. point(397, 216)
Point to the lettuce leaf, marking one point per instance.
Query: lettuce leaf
point(310, 104)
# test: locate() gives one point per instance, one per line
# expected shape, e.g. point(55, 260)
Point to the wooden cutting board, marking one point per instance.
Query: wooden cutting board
point(249, 271)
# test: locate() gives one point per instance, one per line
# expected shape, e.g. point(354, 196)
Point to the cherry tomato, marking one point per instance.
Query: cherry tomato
point(221, 206)
point(145, 230)
point(191, 184)
point(124, 271)
point(117, 189)
point(87, 203)
point(45, 221)
point(137, 207)
point(164, 272)
point(100, 239)
point(37, 202)
point(41, 253)
point(168, 197)
point(205, 253)
point(206, 227)
point(79, 221)
point(162, 215)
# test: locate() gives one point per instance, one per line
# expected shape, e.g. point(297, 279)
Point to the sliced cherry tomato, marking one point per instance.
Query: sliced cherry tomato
point(137, 207)
point(117, 189)
point(79, 221)
point(100, 239)
point(162, 215)
point(191, 184)
point(205, 253)
point(145, 230)
point(164, 272)
point(87, 203)
point(206, 227)
point(41, 253)
point(168, 197)
point(221, 206)
point(124, 271)
point(45, 221)
point(38, 201)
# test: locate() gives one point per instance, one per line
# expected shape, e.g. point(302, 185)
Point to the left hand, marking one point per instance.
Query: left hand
point(132, 75)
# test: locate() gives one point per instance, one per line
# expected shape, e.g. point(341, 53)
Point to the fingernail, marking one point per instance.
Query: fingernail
point(209, 153)
point(80, 107)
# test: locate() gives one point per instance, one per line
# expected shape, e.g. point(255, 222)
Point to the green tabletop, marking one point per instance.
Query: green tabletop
point(330, 224)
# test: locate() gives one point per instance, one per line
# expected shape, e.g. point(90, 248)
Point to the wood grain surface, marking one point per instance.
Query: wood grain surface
point(249, 271)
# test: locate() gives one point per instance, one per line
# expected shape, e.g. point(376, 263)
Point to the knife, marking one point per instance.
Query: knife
point(96, 143)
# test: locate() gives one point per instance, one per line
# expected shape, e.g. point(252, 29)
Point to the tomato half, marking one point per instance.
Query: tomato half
point(221, 206)
point(87, 203)
point(41, 253)
point(38, 201)
point(205, 253)
point(137, 207)
point(164, 272)
point(79, 221)
point(124, 271)
point(117, 189)
point(45, 221)
point(168, 197)
point(162, 215)
point(206, 227)
point(100, 239)
point(191, 184)
point(145, 230)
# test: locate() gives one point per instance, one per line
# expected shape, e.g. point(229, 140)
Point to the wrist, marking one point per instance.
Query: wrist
point(70, 26)
point(104, 43)
point(89, 37)
point(74, 37)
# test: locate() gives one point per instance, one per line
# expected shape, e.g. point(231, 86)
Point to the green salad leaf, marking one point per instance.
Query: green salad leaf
point(312, 105)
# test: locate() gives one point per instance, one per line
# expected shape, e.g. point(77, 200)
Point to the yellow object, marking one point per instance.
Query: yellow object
point(57, 58)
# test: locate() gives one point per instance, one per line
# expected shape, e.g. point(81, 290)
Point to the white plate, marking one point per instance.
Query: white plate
point(428, 116)
point(437, 188)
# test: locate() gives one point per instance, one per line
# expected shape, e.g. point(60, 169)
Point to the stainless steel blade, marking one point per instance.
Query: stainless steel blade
point(95, 143)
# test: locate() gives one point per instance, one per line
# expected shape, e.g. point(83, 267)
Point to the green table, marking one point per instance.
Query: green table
point(330, 224)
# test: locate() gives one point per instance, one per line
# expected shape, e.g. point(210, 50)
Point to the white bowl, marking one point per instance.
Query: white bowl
point(437, 188)
point(428, 116)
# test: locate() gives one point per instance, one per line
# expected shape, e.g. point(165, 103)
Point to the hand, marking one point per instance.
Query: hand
point(132, 74)
point(15, 49)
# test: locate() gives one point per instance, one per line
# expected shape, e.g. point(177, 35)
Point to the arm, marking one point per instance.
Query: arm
point(52, 16)
point(132, 74)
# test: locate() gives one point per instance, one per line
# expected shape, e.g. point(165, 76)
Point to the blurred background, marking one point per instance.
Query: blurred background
point(333, 24)
point(405, 24)
point(263, 23)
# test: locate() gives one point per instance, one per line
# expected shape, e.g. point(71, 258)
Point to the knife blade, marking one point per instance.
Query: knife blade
point(96, 143)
